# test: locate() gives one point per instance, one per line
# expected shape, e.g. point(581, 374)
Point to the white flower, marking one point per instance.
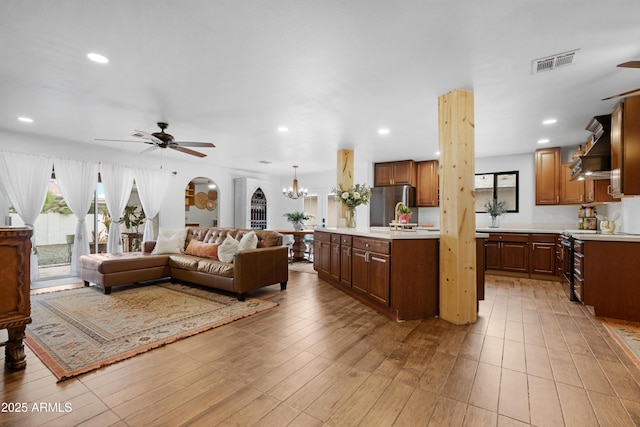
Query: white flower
point(356, 195)
point(345, 195)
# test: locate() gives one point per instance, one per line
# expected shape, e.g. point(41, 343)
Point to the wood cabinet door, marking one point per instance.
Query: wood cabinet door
point(543, 257)
point(616, 151)
point(404, 173)
point(547, 176)
point(379, 277)
point(492, 260)
point(335, 261)
point(427, 190)
point(359, 270)
point(322, 254)
point(589, 191)
point(603, 191)
point(515, 256)
point(383, 174)
point(345, 265)
point(571, 192)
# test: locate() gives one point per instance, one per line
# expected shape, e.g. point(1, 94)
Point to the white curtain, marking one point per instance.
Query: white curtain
point(25, 180)
point(77, 182)
point(117, 182)
point(152, 187)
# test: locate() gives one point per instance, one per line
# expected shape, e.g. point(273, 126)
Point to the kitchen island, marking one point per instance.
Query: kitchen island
point(395, 272)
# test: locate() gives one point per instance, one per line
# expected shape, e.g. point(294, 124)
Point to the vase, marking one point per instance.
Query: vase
point(351, 218)
point(404, 218)
point(297, 226)
point(495, 222)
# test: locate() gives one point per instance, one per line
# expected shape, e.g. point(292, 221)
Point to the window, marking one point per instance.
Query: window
point(502, 186)
point(311, 208)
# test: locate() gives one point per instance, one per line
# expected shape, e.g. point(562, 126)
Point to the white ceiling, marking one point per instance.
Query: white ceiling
point(333, 72)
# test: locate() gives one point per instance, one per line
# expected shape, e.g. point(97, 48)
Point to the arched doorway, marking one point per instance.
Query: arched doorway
point(201, 203)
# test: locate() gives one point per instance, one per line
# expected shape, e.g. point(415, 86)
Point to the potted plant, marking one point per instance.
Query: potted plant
point(132, 219)
point(297, 219)
point(495, 208)
point(404, 213)
point(352, 197)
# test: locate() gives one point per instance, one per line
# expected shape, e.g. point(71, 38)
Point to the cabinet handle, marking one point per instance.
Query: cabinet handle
point(557, 199)
point(581, 196)
point(609, 189)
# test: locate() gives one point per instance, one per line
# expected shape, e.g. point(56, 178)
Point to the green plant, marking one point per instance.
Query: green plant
point(404, 210)
point(131, 218)
point(297, 217)
point(495, 207)
point(55, 204)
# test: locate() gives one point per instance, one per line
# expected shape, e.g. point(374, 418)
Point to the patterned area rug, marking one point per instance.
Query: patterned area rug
point(628, 336)
point(79, 330)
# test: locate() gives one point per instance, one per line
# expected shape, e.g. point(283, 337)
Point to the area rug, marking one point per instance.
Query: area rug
point(628, 337)
point(79, 330)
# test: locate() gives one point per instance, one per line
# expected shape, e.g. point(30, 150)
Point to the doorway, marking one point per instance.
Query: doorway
point(201, 199)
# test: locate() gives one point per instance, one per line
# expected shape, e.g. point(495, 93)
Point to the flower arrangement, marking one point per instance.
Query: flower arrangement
point(355, 196)
point(495, 207)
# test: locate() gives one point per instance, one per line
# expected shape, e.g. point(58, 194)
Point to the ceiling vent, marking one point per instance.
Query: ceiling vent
point(553, 62)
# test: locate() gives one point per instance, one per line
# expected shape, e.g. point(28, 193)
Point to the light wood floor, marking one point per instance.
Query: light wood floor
point(321, 358)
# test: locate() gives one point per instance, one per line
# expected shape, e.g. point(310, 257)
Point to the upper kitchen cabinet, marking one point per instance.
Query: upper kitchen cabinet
point(625, 148)
point(571, 192)
point(427, 191)
point(548, 176)
point(395, 173)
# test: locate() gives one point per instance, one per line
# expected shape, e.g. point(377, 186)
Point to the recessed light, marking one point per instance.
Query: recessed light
point(383, 131)
point(283, 129)
point(549, 121)
point(437, 153)
point(25, 119)
point(96, 57)
point(543, 141)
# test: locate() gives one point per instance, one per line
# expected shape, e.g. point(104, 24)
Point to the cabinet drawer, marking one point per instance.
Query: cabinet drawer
point(322, 237)
point(544, 238)
point(346, 240)
point(509, 237)
point(335, 238)
point(379, 246)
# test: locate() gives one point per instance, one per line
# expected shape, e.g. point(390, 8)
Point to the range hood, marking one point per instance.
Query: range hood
point(596, 162)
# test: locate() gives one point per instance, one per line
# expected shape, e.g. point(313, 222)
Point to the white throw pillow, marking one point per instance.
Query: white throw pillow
point(248, 241)
point(170, 241)
point(228, 249)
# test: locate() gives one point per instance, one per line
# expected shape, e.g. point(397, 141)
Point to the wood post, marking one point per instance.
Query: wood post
point(458, 300)
point(345, 175)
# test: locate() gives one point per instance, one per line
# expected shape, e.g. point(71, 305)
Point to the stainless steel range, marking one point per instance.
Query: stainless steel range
point(567, 265)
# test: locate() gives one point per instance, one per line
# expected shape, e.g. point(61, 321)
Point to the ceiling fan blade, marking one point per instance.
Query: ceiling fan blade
point(630, 92)
point(145, 135)
point(630, 64)
point(152, 148)
point(187, 151)
point(194, 144)
point(120, 140)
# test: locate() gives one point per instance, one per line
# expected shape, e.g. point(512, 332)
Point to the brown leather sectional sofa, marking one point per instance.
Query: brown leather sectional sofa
point(252, 269)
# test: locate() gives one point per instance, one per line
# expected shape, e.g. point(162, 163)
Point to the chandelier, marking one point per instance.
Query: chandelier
point(294, 192)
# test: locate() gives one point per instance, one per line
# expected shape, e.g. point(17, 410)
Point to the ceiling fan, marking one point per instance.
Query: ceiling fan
point(628, 64)
point(164, 140)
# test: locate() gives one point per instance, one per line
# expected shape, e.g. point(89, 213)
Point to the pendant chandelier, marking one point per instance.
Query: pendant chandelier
point(294, 192)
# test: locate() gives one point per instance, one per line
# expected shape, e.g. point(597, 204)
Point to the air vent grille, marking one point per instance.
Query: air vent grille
point(552, 62)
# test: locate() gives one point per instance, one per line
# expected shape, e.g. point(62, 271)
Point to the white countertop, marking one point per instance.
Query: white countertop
point(632, 238)
point(386, 233)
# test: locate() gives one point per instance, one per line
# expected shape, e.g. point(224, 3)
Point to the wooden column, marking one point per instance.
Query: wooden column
point(457, 208)
point(345, 175)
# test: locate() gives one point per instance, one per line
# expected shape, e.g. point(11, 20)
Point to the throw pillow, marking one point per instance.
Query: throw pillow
point(170, 241)
point(227, 250)
point(248, 241)
point(201, 249)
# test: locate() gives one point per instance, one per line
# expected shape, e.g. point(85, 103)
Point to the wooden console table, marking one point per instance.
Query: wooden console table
point(15, 284)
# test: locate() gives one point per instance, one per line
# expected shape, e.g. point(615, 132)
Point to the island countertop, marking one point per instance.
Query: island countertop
point(385, 233)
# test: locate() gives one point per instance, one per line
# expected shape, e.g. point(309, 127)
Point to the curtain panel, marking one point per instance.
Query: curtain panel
point(77, 181)
point(117, 182)
point(25, 180)
point(152, 188)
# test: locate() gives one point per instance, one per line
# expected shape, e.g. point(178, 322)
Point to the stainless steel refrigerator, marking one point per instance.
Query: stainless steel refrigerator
point(383, 203)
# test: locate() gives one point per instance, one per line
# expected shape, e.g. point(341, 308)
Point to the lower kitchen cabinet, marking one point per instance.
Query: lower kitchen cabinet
point(543, 253)
point(335, 256)
point(508, 252)
point(322, 252)
point(371, 268)
point(345, 261)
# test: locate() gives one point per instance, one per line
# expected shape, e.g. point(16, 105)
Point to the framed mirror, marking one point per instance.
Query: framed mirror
point(201, 203)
